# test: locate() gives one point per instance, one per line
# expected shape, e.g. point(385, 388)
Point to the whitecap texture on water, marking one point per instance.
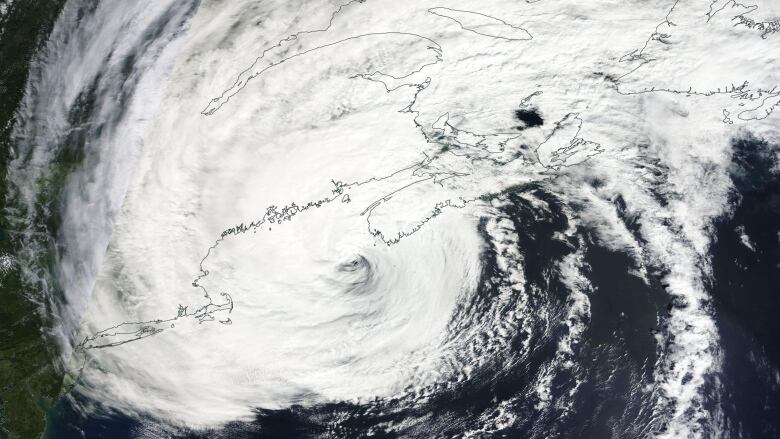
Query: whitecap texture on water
point(389, 124)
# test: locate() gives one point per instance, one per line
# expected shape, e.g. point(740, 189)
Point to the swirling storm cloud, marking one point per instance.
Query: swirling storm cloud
point(406, 219)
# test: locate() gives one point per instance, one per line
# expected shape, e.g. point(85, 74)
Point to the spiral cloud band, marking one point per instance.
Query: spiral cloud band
point(351, 212)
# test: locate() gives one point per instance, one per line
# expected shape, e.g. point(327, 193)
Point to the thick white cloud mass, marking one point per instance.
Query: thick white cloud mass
point(288, 209)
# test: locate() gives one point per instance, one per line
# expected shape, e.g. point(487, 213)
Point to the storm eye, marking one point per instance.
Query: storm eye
point(357, 262)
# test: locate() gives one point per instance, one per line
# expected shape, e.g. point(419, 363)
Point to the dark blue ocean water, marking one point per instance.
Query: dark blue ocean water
point(616, 357)
point(614, 361)
point(746, 292)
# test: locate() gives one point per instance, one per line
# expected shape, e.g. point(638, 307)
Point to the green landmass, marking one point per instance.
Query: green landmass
point(29, 381)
